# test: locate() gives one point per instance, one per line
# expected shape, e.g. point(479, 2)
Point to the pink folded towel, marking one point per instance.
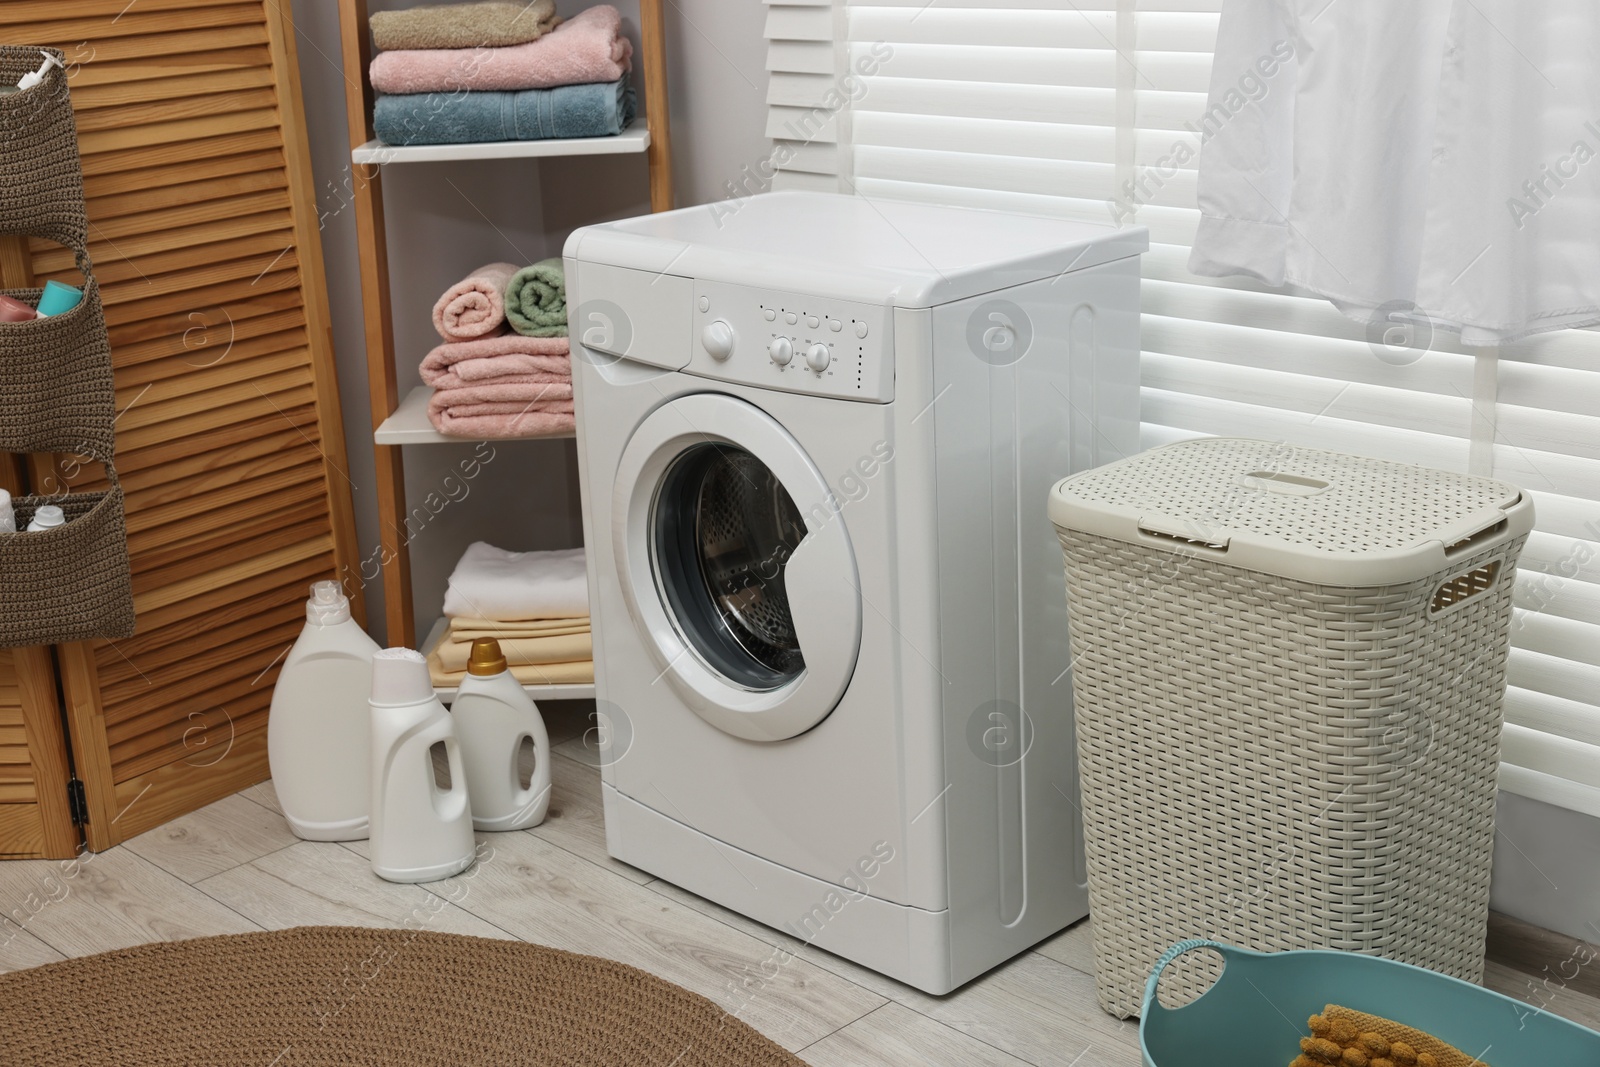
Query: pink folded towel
point(476, 305)
point(504, 409)
point(586, 48)
point(459, 363)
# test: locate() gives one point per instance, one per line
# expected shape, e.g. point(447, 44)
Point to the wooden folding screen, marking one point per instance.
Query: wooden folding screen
point(203, 231)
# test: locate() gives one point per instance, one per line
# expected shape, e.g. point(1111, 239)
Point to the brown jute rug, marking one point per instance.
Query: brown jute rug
point(327, 995)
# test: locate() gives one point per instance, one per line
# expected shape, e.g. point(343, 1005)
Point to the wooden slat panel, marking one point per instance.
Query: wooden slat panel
point(34, 821)
point(90, 98)
point(203, 231)
point(188, 781)
point(135, 18)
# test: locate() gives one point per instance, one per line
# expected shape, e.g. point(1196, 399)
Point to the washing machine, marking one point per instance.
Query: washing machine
point(816, 435)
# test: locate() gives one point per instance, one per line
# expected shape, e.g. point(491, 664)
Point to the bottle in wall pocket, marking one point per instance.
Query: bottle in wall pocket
point(421, 828)
point(318, 734)
point(495, 721)
point(45, 517)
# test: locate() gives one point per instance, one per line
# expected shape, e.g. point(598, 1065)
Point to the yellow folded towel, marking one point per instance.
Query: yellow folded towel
point(1341, 1037)
point(465, 629)
point(579, 673)
point(523, 651)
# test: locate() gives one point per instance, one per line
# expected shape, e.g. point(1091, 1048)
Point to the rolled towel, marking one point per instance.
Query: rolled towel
point(536, 300)
point(598, 110)
point(504, 408)
point(482, 25)
point(475, 306)
point(452, 365)
point(493, 583)
point(587, 48)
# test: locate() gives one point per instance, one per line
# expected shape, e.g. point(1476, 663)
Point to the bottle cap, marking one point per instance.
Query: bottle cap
point(47, 517)
point(486, 659)
point(328, 604)
point(399, 678)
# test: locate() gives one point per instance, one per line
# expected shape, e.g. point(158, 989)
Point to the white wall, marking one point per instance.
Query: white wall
point(446, 218)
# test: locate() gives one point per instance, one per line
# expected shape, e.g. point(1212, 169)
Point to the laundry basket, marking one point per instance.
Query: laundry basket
point(1239, 1021)
point(1288, 668)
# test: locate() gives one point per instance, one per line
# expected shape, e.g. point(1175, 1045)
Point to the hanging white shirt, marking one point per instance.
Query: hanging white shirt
point(1441, 154)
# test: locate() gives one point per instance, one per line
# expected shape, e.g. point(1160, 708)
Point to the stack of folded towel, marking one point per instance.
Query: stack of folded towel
point(536, 604)
point(505, 368)
point(499, 72)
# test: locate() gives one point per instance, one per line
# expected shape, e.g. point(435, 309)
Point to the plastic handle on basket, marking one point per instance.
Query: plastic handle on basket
point(1172, 953)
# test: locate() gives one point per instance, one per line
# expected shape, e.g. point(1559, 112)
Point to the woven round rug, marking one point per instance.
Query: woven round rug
point(331, 995)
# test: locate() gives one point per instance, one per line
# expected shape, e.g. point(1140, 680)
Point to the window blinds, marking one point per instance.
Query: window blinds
point(1094, 111)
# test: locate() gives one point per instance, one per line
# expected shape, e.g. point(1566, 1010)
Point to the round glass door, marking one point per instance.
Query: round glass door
point(723, 529)
point(735, 570)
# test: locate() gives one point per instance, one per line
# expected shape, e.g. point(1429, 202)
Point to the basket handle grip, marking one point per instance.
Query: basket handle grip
point(1173, 952)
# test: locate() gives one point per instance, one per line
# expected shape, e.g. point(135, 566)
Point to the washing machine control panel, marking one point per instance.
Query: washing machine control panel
point(797, 343)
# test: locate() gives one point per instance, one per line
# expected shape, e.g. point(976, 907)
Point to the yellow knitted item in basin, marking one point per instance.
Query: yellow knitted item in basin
point(1344, 1038)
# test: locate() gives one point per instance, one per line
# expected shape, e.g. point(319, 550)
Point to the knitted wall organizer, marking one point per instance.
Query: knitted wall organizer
point(72, 582)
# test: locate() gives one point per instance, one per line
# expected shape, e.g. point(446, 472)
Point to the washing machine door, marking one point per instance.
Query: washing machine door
point(737, 567)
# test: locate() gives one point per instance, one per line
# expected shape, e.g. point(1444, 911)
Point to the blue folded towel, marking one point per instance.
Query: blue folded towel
point(592, 110)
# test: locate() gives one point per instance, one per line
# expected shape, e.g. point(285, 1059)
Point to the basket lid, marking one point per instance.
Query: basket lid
point(1302, 513)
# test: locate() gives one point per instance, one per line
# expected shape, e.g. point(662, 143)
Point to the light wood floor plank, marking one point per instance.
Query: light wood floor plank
point(1034, 1008)
point(113, 899)
point(896, 1034)
point(576, 821)
point(20, 950)
point(264, 794)
point(317, 883)
point(214, 839)
point(548, 896)
point(1551, 996)
point(1073, 946)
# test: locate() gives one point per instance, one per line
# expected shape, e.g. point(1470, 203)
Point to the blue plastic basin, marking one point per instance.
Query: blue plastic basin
point(1256, 1012)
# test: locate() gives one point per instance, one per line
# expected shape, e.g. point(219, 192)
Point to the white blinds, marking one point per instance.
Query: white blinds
point(1092, 111)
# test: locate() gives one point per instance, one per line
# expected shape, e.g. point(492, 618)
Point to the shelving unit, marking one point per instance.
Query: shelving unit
point(397, 422)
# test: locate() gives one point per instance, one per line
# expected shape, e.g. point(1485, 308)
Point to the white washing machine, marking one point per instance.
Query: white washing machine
point(816, 436)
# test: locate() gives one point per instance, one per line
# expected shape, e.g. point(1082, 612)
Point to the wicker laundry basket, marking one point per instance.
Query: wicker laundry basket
point(1288, 668)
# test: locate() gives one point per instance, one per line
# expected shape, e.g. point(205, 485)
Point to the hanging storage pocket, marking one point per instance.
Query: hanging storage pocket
point(72, 582)
point(55, 379)
point(69, 583)
point(41, 181)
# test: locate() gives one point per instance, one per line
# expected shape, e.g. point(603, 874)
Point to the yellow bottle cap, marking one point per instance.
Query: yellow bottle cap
point(486, 657)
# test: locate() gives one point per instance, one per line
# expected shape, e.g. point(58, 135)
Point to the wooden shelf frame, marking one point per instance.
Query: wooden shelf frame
point(372, 247)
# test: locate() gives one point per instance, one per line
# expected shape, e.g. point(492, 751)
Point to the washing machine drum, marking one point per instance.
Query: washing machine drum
point(749, 600)
point(724, 527)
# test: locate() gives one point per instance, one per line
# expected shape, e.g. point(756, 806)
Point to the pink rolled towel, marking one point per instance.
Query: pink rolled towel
point(459, 363)
point(510, 407)
point(476, 305)
point(586, 48)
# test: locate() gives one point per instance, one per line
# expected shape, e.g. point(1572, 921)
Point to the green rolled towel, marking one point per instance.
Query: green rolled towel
point(536, 300)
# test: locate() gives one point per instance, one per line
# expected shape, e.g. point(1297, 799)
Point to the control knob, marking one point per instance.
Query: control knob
point(718, 339)
point(781, 350)
point(818, 357)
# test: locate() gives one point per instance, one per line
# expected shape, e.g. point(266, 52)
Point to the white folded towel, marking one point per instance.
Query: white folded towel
point(491, 583)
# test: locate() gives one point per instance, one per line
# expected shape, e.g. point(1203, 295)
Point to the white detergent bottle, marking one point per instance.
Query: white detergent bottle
point(495, 718)
point(421, 830)
point(317, 734)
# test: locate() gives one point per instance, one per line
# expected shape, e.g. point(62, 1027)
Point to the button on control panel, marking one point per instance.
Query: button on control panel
point(793, 342)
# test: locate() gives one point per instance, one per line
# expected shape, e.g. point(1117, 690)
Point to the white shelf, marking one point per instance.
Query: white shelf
point(635, 138)
point(409, 425)
point(579, 691)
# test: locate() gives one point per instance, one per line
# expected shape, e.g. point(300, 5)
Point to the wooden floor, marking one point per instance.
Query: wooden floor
point(235, 866)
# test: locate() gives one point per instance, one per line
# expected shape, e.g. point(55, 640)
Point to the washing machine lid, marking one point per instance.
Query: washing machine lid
point(892, 252)
point(736, 567)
